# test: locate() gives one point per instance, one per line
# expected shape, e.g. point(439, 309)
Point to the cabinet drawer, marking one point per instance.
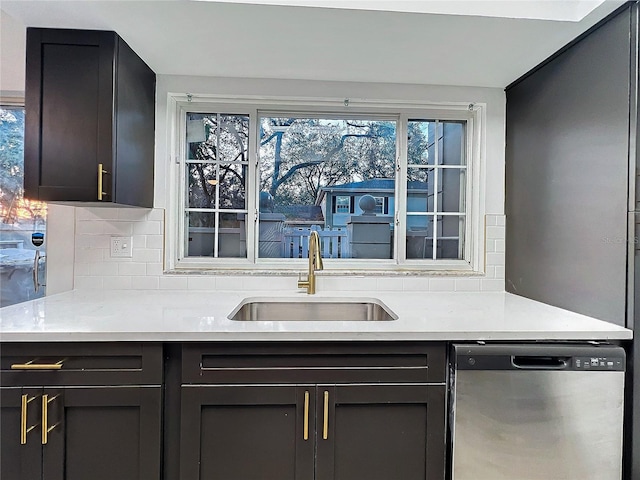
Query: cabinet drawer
point(25, 364)
point(315, 362)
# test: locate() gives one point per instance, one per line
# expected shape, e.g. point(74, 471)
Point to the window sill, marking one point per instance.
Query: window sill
point(325, 273)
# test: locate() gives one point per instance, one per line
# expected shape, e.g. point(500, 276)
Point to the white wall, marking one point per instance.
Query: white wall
point(13, 45)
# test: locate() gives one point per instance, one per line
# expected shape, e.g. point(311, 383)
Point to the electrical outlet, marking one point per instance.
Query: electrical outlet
point(121, 247)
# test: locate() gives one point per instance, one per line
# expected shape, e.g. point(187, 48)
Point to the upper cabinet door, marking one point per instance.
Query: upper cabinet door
point(73, 111)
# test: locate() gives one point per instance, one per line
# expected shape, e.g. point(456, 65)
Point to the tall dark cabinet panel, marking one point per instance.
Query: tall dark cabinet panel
point(567, 177)
point(90, 115)
point(572, 188)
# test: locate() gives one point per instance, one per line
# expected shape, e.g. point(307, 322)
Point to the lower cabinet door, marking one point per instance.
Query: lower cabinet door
point(20, 440)
point(101, 433)
point(381, 432)
point(247, 432)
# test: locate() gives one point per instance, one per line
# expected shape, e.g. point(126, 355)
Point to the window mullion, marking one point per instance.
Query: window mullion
point(436, 186)
point(400, 220)
point(253, 195)
point(183, 195)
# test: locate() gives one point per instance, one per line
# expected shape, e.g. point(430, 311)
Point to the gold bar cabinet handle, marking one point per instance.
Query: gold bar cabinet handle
point(23, 419)
point(305, 428)
point(325, 426)
point(45, 418)
point(36, 366)
point(101, 171)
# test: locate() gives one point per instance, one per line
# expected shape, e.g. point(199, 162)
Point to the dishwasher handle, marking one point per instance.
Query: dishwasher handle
point(540, 362)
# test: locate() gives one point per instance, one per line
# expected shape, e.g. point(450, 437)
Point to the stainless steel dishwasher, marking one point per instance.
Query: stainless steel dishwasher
point(537, 412)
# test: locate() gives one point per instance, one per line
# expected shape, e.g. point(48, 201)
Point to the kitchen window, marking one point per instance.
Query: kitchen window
point(384, 189)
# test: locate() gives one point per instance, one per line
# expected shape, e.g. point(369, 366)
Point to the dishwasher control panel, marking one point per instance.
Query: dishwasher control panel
point(599, 363)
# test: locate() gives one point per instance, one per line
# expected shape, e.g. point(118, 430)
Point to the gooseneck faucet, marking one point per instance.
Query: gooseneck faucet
point(315, 263)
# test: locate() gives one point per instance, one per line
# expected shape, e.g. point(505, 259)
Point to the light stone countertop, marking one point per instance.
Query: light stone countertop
point(163, 315)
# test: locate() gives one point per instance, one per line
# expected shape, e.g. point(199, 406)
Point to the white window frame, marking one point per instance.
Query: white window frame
point(474, 243)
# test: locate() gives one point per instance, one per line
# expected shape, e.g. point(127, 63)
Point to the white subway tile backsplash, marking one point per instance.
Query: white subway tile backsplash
point(495, 259)
point(156, 214)
point(147, 255)
point(492, 285)
point(154, 269)
point(490, 220)
point(173, 282)
point(103, 269)
point(155, 241)
point(94, 267)
point(442, 284)
point(132, 268)
point(495, 232)
point(415, 284)
point(88, 283)
point(351, 284)
point(490, 271)
point(233, 283)
point(80, 269)
point(148, 228)
point(118, 228)
point(97, 213)
point(139, 241)
point(201, 282)
point(390, 284)
point(89, 227)
point(146, 283)
point(134, 214)
point(90, 255)
point(467, 285)
point(92, 241)
point(119, 282)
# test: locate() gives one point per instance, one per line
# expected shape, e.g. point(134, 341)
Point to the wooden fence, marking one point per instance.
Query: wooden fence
point(334, 243)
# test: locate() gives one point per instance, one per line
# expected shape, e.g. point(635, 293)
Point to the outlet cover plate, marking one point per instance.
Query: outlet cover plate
point(121, 247)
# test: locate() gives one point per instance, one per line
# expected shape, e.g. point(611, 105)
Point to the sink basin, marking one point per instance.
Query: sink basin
point(320, 309)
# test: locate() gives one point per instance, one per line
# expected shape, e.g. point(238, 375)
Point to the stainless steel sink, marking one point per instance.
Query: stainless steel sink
point(318, 309)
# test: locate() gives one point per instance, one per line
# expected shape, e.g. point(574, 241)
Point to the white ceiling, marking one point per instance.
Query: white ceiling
point(230, 39)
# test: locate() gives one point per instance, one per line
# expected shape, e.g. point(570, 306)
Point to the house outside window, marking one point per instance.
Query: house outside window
point(388, 188)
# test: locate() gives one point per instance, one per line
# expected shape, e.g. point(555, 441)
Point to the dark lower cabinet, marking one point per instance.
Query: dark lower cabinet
point(97, 433)
point(20, 449)
point(57, 422)
point(313, 412)
point(103, 434)
point(381, 432)
point(305, 432)
point(246, 433)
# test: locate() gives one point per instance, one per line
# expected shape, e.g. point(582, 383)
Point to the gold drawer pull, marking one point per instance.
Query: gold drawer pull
point(101, 171)
point(37, 366)
point(325, 426)
point(305, 434)
point(45, 418)
point(23, 419)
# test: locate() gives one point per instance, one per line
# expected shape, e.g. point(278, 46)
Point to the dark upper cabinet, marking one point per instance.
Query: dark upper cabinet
point(90, 116)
